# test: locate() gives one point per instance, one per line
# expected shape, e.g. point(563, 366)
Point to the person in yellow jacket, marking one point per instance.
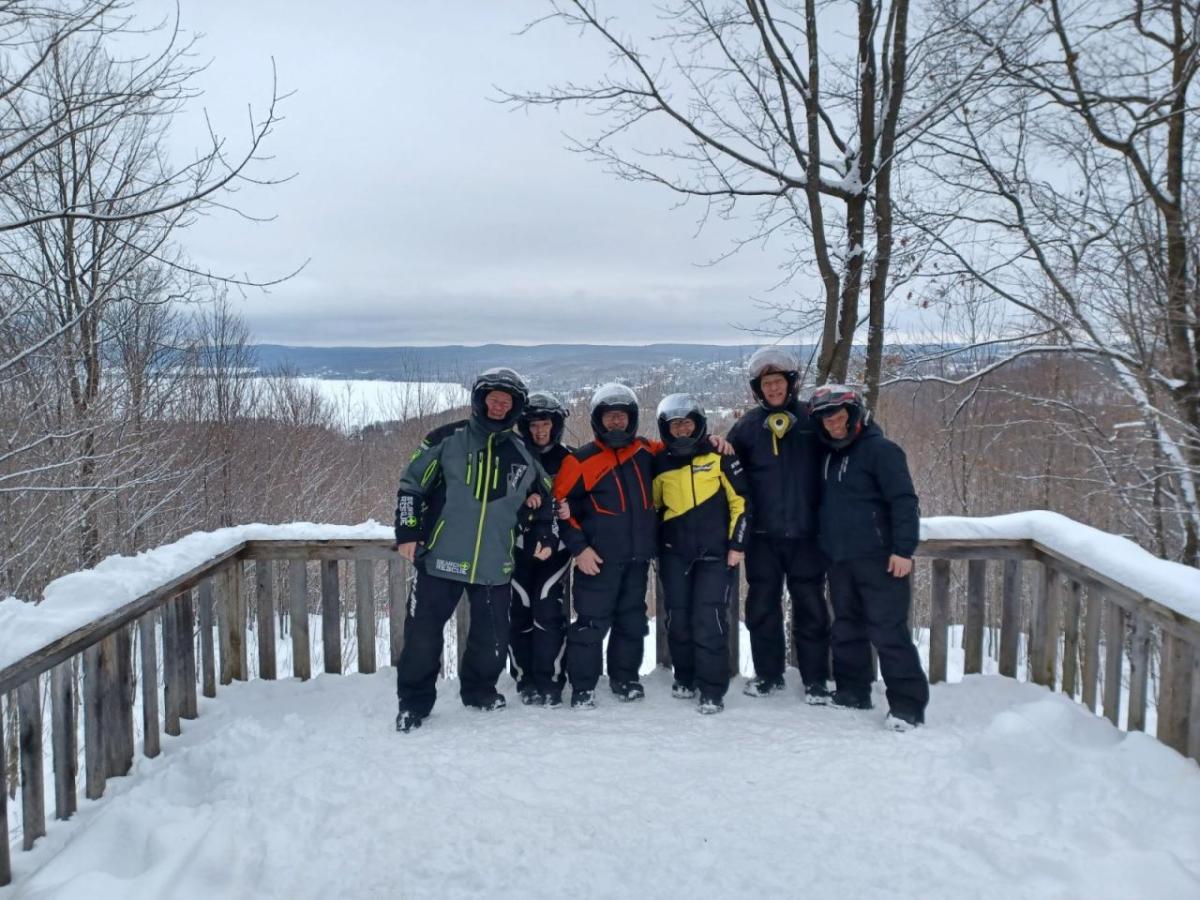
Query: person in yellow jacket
point(701, 498)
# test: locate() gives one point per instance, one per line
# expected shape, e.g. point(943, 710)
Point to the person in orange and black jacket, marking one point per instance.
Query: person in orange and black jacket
point(701, 498)
point(611, 533)
point(537, 618)
point(781, 452)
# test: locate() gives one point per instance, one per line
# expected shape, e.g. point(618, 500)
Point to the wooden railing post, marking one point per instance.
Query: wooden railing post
point(1010, 618)
point(240, 614)
point(1093, 608)
point(148, 643)
point(172, 670)
point(264, 595)
point(185, 622)
point(116, 701)
point(33, 785)
point(5, 861)
point(661, 645)
point(364, 604)
point(298, 601)
point(1114, 648)
point(1043, 635)
point(93, 724)
point(976, 609)
point(63, 737)
point(939, 620)
point(397, 604)
point(331, 616)
point(1193, 749)
point(207, 655)
point(1175, 692)
point(1139, 671)
point(1070, 660)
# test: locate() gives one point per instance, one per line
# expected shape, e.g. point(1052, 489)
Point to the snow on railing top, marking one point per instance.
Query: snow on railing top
point(78, 599)
point(1173, 585)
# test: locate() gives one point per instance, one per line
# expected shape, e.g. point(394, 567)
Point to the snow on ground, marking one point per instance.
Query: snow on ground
point(298, 790)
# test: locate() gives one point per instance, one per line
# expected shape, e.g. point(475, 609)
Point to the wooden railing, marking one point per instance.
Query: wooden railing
point(1077, 626)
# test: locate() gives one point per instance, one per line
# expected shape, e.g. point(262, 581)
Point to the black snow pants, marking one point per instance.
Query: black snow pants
point(871, 607)
point(615, 598)
point(769, 563)
point(697, 601)
point(431, 602)
point(537, 631)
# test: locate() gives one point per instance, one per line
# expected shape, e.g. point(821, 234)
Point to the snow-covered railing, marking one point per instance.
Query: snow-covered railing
point(1097, 601)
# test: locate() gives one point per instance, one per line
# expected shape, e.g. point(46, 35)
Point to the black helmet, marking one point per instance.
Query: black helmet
point(827, 400)
point(681, 406)
point(498, 379)
point(767, 360)
point(609, 397)
point(545, 406)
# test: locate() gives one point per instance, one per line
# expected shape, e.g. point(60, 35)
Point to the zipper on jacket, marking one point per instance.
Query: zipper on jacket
point(470, 460)
point(482, 511)
point(436, 531)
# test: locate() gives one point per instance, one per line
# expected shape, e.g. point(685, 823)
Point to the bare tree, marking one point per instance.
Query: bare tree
point(1067, 194)
point(768, 102)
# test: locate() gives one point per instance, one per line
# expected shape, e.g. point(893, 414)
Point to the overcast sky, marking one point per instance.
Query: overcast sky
point(432, 214)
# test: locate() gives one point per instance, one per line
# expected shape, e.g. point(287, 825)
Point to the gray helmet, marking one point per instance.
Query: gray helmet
point(767, 360)
point(609, 397)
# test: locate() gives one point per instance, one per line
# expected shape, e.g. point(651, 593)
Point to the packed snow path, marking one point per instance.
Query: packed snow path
point(298, 790)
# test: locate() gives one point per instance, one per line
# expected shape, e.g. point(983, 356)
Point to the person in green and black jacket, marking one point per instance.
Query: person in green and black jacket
point(469, 488)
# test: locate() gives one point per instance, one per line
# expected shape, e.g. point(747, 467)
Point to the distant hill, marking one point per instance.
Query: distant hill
point(561, 366)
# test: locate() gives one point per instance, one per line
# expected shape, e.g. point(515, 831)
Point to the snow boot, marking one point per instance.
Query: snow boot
point(817, 694)
point(763, 687)
point(844, 699)
point(583, 699)
point(682, 691)
point(710, 706)
point(628, 691)
point(530, 697)
point(488, 704)
point(898, 721)
point(407, 721)
point(550, 699)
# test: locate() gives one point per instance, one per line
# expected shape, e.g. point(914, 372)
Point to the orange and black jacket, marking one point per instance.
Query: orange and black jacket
point(702, 498)
point(611, 499)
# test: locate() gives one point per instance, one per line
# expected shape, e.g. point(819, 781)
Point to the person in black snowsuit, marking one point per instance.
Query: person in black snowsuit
point(781, 452)
point(537, 631)
point(460, 503)
point(701, 498)
point(870, 526)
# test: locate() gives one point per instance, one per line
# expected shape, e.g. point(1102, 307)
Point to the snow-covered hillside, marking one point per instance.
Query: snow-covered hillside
point(304, 790)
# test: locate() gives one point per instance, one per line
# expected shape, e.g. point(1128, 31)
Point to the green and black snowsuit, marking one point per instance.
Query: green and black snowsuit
point(463, 494)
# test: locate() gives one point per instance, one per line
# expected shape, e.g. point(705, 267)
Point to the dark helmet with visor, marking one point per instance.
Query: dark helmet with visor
point(827, 400)
point(498, 379)
point(681, 406)
point(768, 360)
point(609, 398)
point(542, 405)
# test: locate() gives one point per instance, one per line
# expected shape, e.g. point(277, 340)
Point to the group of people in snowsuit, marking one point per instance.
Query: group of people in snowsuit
point(805, 493)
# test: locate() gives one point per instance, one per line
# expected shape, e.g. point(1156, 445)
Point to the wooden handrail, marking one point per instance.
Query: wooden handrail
point(1074, 613)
